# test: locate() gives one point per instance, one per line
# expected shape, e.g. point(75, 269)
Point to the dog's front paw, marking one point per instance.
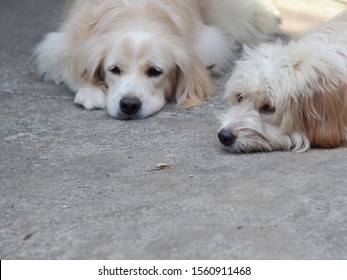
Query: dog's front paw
point(91, 98)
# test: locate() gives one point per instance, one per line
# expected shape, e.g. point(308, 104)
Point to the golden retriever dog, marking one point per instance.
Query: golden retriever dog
point(132, 56)
point(290, 96)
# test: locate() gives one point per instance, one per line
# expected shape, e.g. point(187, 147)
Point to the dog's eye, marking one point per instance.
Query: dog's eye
point(240, 98)
point(115, 70)
point(267, 109)
point(153, 72)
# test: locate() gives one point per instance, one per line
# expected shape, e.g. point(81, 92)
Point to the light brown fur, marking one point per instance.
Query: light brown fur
point(305, 85)
point(178, 37)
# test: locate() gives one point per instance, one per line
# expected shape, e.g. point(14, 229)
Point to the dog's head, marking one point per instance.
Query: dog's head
point(141, 71)
point(286, 98)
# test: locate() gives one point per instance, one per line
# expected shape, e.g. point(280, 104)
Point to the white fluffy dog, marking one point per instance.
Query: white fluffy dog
point(132, 56)
point(290, 97)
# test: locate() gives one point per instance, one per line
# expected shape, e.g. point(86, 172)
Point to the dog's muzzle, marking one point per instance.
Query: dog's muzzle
point(130, 106)
point(227, 137)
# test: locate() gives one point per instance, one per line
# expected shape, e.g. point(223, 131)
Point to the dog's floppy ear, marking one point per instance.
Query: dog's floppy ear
point(90, 64)
point(95, 74)
point(193, 83)
point(324, 114)
point(319, 109)
point(317, 105)
point(98, 78)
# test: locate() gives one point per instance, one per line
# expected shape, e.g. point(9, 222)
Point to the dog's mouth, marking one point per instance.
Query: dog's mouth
point(129, 108)
point(132, 108)
point(227, 137)
point(132, 117)
point(250, 142)
point(125, 117)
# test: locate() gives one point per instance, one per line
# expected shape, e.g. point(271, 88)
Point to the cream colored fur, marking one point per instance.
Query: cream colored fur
point(290, 96)
point(178, 38)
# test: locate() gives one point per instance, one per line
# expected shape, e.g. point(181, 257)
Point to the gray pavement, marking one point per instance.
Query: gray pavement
point(79, 185)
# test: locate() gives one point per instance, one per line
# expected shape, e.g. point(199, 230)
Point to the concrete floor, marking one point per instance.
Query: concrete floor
point(80, 185)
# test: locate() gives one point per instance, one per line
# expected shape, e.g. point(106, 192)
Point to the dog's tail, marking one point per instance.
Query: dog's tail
point(247, 22)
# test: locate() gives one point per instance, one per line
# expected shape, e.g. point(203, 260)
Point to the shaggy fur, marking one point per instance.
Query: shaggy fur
point(132, 56)
point(290, 97)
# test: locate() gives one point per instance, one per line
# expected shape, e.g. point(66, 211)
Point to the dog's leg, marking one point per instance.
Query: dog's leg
point(90, 98)
point(55, 63)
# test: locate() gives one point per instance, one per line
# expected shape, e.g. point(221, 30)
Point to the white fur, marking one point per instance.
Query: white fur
point(183, 37)
point(90, 98)
point(215, 49)
point(133, 82)
point(305, 85)
point(55, 60)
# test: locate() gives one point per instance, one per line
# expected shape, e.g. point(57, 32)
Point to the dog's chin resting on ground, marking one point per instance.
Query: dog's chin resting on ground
point(132, 56)
point(290, 96)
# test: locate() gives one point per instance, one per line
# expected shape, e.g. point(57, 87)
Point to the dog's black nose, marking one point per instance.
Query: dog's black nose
point(227, 137)
point(130, 105)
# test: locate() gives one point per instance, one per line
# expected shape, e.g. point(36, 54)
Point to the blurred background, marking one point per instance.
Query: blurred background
point(297, 15)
